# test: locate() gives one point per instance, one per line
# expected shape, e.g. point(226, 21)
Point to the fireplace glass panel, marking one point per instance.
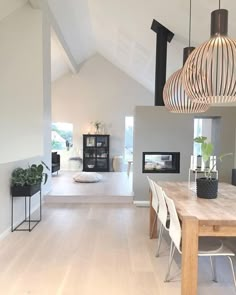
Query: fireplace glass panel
point(161, 162)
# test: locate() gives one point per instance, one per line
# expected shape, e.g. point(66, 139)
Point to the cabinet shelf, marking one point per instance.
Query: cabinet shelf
point(89, 157)
point(98, 146)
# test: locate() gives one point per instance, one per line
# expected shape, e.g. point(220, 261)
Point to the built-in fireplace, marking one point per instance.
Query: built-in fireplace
point(161, 162)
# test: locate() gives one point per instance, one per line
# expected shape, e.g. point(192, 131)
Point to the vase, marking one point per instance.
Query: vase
point(207, 188)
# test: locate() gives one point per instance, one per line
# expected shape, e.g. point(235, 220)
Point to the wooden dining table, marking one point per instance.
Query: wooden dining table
point(200, 218)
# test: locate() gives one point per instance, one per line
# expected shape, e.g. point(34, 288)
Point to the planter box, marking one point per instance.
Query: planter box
point(207, 188)
point(26, 190)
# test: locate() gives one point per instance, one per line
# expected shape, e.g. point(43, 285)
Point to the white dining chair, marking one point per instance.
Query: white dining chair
point(210, 247)
point(155, 201)
point(163, 215)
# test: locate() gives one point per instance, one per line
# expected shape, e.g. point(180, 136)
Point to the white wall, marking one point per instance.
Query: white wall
point(23, 121)
point(46, 92)
point(5, 198)
point(100, 91)
point(157, 130)
point(21, 88)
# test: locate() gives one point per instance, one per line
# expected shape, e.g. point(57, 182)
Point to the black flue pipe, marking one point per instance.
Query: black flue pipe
point(163, 36)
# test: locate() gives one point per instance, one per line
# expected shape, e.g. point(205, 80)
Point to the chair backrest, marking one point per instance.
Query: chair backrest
point(155, 202)
point(175, 228)
point(162, 213)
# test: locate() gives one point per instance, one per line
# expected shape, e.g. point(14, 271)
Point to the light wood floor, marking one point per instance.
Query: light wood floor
point(93, 249)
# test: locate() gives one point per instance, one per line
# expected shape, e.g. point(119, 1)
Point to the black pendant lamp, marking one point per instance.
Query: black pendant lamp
point(175, 98)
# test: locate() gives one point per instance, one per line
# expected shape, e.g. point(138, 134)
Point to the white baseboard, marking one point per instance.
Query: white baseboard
point(142, 203)
point(5, 233)
point(8, 230)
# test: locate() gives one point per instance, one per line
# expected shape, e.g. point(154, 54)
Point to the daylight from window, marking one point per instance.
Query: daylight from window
point(202, 127)
point(129, 129)
point(61, 137)
point(197, 132)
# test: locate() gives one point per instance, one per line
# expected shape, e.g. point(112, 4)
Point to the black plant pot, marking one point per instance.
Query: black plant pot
point(26, 190)
point(207, 188)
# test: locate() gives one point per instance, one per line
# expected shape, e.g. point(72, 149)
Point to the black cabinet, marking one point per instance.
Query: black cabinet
point(96, 152)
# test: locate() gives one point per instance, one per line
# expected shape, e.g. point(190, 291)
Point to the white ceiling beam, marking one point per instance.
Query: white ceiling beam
point(68, 55)
point(70, 60)
point(36, 4)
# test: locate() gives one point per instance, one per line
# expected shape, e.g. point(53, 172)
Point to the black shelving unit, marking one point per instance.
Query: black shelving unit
point(96, 152)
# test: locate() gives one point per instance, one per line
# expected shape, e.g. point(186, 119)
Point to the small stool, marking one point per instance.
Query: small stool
point(117, 163)
point(78, 161)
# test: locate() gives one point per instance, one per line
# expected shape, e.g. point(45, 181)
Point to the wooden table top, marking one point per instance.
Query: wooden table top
point(221, 210)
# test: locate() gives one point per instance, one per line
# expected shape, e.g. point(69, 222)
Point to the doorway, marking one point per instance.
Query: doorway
point(62, 143)
point(208, 127)
point(129, 131)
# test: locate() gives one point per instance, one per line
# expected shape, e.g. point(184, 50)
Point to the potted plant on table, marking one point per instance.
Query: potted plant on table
point(27, 182)
point(97, 125)
point(207, 186)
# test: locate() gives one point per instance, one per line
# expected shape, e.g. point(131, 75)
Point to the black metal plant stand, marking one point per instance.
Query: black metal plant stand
point(26, 220)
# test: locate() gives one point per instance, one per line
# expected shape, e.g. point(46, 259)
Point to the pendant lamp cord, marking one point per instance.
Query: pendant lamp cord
point(219, 4)
point(190, 22)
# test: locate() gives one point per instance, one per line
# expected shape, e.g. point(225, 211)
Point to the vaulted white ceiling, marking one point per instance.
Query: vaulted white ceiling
point(9, 6)
point(75, 23)
point(59, 61)
point(120, 30)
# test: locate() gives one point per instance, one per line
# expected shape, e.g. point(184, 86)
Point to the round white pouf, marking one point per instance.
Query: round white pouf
point(87, 177)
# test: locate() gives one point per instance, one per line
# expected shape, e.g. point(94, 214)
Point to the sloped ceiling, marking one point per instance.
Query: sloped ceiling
point(120, 30)
point(59, 65)
point(75, 23)
point(9, 6)
point(36, 4)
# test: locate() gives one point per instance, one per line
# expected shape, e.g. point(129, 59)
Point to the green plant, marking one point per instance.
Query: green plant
point(32, 175)
point(207, 149)
point(97, 124)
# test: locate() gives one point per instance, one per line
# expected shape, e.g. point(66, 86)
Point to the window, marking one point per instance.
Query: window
point(197, 132)
point(62, 135)
point(202, 127)
point(129, 129)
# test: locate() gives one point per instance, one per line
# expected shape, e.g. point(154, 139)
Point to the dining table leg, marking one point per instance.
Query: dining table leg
point(189, 277)
point(152, 219)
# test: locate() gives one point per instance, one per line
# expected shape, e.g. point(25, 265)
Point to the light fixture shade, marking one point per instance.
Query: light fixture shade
point(174, 95)
point(209, 74)
point(176, 99)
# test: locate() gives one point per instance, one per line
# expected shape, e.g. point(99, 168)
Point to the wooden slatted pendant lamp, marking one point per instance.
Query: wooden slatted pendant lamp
point(175, 98)
point(209, 74)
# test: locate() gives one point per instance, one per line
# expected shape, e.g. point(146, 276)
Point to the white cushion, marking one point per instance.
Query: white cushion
point(87, 177)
